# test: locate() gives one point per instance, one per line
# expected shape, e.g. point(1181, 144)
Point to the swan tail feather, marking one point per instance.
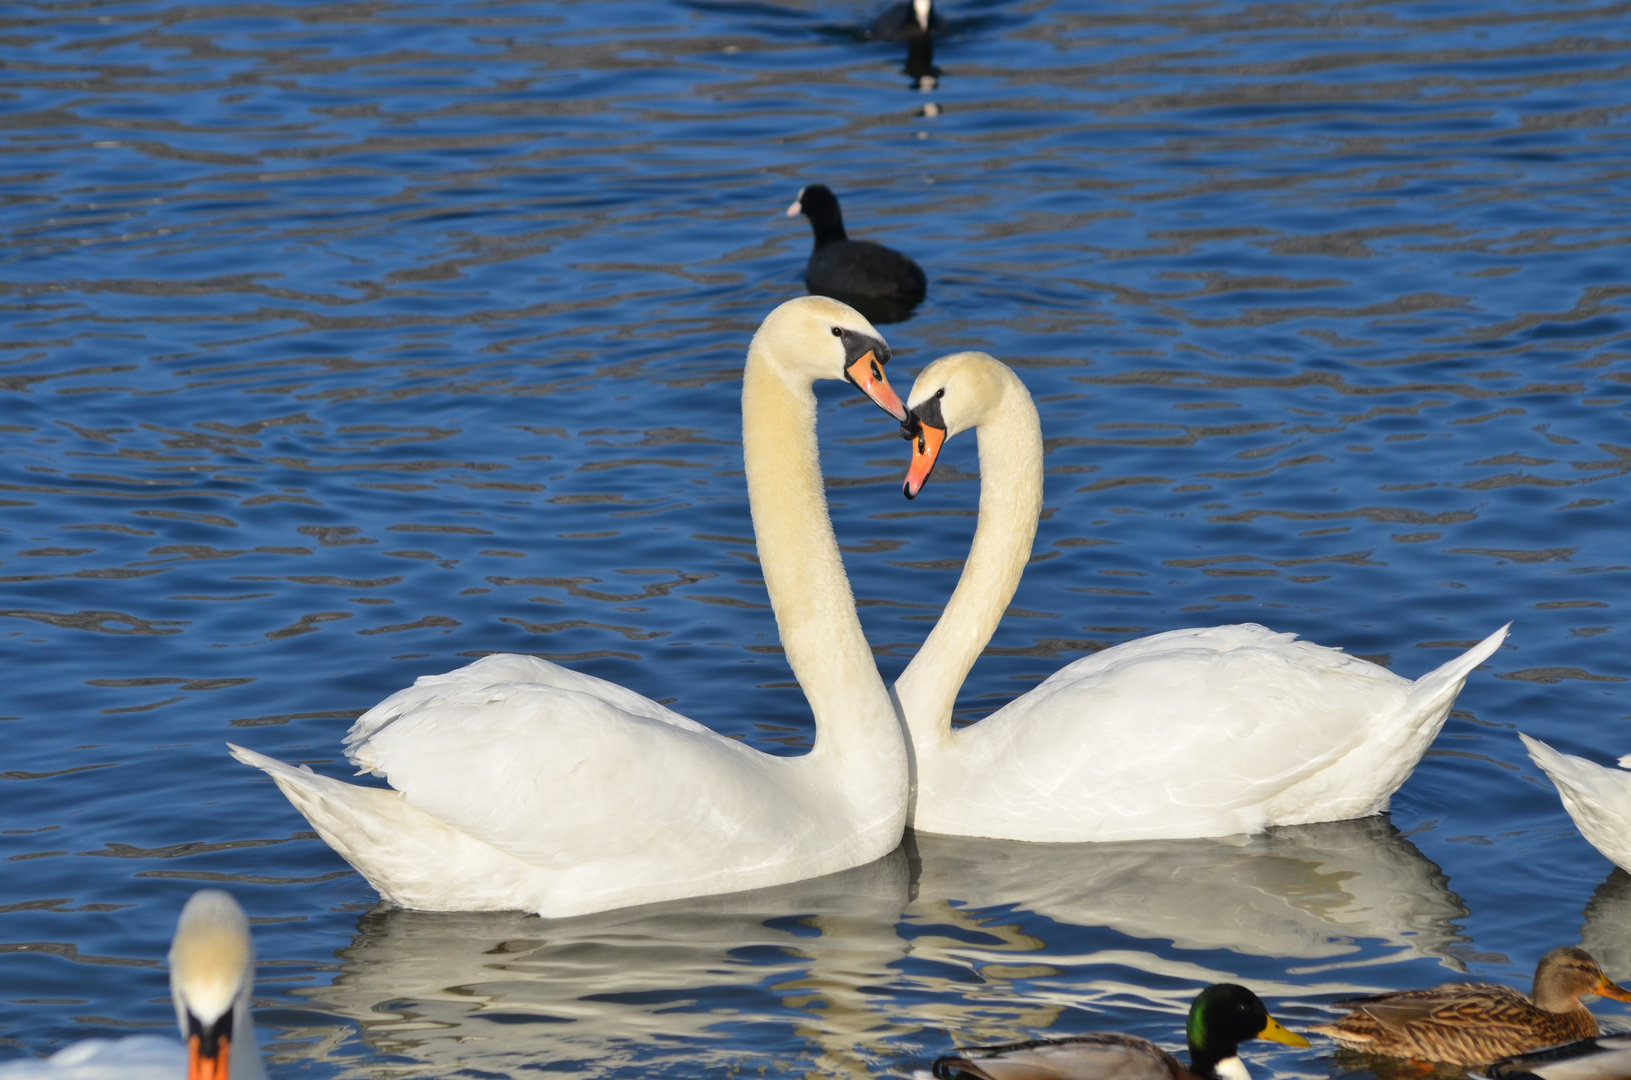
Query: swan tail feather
point(1389, 747)
point(1439, 687)
point(1564, 770)
point(1598, 798)
point(408, 856)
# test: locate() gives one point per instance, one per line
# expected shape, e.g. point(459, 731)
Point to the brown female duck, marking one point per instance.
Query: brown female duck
point(1476, 1023)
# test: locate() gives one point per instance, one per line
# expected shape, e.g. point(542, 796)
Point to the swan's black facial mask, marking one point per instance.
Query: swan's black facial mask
point(209, 1047)
point(864, 358)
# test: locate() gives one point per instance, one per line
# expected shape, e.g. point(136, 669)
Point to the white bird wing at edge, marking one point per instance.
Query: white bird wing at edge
point(1596, 797)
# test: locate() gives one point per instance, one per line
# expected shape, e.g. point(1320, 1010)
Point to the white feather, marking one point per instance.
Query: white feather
point(1597, 798)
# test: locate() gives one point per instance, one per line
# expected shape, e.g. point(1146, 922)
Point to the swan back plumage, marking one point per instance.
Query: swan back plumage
point(491, 679)
point(1082, 739)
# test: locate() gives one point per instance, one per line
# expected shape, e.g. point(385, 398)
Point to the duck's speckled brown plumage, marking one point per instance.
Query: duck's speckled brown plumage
point(1477, 1023)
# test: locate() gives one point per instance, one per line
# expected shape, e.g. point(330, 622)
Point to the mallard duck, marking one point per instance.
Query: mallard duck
point(1607, 1057)
point(1476, 1023)
point(1223, 1016)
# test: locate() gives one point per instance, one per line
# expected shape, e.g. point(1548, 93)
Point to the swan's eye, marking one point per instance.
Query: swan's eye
point(836, 332)
point(940, 393)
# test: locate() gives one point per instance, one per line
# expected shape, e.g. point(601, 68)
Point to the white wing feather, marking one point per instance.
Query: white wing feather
point(563, 778)
point(1196, 732)
point(520, 783)
point(497, 673)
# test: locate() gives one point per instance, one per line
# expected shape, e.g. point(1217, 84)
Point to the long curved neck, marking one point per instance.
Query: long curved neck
point(1010, 505)
point(815, 611)
point(245, 1058)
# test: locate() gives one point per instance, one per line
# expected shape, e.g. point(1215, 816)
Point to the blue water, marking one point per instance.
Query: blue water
point(344, 343)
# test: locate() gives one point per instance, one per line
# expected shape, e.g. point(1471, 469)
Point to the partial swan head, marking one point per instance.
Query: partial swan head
point(212, 971)
point(815, 337)
point(953, 394)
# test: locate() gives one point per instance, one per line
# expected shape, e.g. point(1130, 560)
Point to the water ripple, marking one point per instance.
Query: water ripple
point(342, 343)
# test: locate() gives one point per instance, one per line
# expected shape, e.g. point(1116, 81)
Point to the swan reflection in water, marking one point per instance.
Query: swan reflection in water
point(1606, 934)
point(860, 970)
point(506, 993)
point(1304, 891)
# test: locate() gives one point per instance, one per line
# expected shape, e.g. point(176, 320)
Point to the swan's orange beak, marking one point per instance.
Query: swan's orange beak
point(926, 443)
point(867, 375)
point(202, 1065)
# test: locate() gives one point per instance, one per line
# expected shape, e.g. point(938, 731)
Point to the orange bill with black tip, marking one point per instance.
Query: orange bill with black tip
point(208, 1064)
point(926, 443)
point(866, 372)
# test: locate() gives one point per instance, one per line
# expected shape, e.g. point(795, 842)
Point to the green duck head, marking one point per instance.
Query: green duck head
point(1224, 1016)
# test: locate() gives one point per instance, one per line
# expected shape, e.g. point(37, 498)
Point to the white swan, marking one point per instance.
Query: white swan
point(1189, 733)
point(212, 973)
point(520, 784)
point(1597, 798)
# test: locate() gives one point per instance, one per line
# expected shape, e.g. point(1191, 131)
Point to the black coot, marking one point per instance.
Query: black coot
point(880, 283)
point(906, 21)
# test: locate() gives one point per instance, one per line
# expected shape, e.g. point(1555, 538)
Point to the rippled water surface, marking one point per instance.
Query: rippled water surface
point(345, 342)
